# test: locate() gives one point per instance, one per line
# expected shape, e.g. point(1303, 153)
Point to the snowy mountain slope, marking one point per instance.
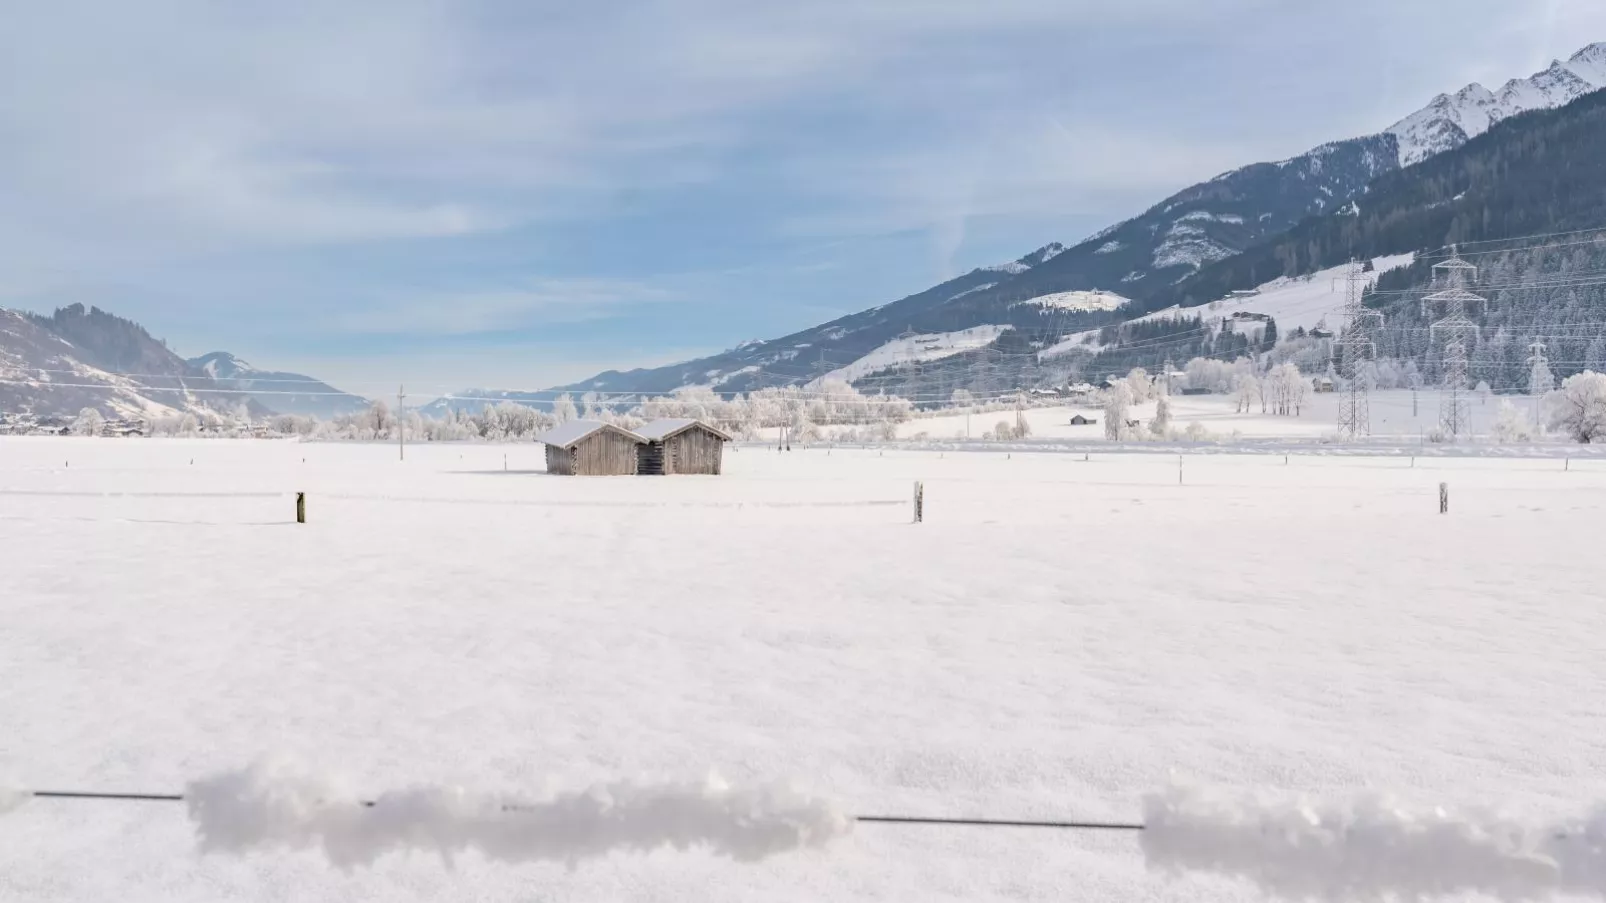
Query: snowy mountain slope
point(1538, 173)
point(974, 299)
point(78, 358)
point(1299, 302)
point(917, 349)
point(43, 373)
point(1450, 120)
point(1083, 301)
point(283, 393)
point(87, 358)
point(1144, 258)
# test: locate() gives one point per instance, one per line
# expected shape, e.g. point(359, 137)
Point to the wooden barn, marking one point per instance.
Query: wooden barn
point(590, 448)
point(680, 446)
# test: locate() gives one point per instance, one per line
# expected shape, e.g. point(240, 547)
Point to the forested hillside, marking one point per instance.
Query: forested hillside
point(1541, 172)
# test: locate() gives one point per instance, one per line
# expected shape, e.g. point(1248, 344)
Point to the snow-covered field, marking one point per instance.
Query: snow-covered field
point(1397, 419)
point(1058, 638)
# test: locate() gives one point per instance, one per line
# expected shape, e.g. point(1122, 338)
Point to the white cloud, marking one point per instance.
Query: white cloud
point(180, 126)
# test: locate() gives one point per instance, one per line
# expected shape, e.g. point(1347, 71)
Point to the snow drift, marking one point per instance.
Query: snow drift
point(277, 804)
point(11, 797)
point(1372, 848)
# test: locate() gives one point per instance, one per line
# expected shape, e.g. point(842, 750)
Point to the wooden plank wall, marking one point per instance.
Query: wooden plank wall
point(559, 461)
point(605, 453)
point(694, 451)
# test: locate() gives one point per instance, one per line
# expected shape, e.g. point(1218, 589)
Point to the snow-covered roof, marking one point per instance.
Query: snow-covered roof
point(659, 430)
point(565, 435)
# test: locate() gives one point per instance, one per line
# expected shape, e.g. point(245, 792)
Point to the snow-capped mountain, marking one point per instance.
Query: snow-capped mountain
point(1144, 258)
point(78, 358)
point(282, 393)
point(1451, 120)
point(81, 357)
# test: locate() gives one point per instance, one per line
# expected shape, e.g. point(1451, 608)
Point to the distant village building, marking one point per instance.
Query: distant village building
point(1323, 384)
point(590, 448)
point(1083, 420)
point(1195, 390)
point(680, 446)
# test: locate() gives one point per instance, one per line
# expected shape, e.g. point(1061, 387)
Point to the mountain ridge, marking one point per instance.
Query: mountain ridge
point(279, 391)
point(78, 357)
point(1142, 257)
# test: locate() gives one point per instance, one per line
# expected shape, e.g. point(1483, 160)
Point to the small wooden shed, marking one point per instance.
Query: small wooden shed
point(680, 446)
point(1082, 420)
point(590, 448)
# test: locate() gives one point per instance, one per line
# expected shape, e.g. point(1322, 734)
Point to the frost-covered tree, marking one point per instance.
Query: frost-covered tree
point(1483, 391)
point(377, 421)
point(1540, 379)
point(1160, 426)
point(1247, 390)
point(88, 423)
point(1579, 407)
point(1196, 432)
point(1140, 385)
point(1210, 374)
point(563, 409)
point(962, 398)
point(1286, 385)
point(1412, 375)
point(1510, 425)
point(1117, 405)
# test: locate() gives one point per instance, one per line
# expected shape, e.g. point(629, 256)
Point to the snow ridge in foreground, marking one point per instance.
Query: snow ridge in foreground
point(1372, 848)
point(12, 797)
point(277, 804)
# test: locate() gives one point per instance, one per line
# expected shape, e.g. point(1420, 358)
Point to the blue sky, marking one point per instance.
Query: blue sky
point(514, 194)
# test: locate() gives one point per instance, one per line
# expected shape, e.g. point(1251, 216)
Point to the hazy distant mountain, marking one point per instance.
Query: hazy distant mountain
point(78, 358)
point(283, 393)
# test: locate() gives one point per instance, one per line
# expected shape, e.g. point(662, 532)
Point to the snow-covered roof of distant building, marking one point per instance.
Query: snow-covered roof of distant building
point(659, 430)
point(565, 435)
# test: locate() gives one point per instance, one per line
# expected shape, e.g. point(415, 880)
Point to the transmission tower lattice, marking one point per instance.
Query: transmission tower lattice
point(1457, 333)
point(1540, 379)
point(1355, 349)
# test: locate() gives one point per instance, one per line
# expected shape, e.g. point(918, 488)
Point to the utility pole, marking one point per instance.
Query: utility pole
point(1355, 348)
point(401, 421)
point(1459, 333)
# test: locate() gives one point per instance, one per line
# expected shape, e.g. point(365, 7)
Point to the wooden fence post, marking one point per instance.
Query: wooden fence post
point(920, 502)
point(1444, 498)
point(301, 507)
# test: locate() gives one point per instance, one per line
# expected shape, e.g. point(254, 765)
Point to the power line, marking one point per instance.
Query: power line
point(1078, 825)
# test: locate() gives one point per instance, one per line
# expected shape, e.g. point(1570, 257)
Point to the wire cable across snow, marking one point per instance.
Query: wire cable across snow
point(861, 819)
